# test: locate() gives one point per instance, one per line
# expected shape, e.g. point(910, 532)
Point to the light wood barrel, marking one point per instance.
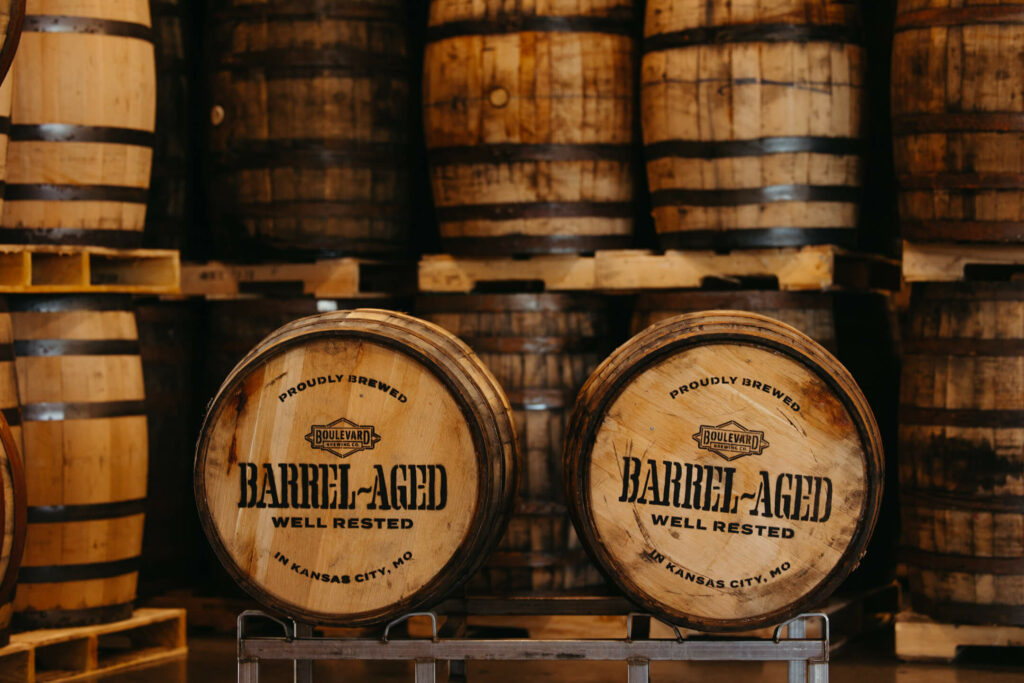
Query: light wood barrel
point(752, 122)
point(311, 117)
point(961, 452)
point(84, 430)
point(82, 124)
point(958, 120)
point(724, 470)
point(356, 466)
point(170, 211)
point(541, 348)
point(528, 120)
point(12, 523)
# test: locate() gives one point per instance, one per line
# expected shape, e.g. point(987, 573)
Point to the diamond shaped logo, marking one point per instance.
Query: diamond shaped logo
point(342, 437)
point(730, 440)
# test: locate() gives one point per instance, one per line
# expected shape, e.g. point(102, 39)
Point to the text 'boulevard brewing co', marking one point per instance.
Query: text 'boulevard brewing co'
point(724, 469)
point(355, 466)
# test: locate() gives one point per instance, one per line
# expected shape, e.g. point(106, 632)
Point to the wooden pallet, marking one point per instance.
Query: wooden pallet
point(628, 270)
point(921, 638)
point(341, 278)
point(938, 262)
point(150, 636)
point(44, 269)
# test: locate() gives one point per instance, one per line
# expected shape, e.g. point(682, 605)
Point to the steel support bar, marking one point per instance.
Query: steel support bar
point(797, 667)
point(498, 650)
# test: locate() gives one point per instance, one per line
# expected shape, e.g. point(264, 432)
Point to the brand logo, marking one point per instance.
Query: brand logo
point(730, 440)
point(342, 437)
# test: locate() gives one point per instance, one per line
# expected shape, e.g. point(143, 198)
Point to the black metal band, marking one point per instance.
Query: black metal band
point(120, 239)
point(49, 514)
point(958, 122)
point(961, 181)
point(53, 412)
point(958, 231)
point(5, 125)
point(971, 502)
point(59, 618)
point(967, 564)
point(539, 399)
point(511, 152)
point(968, 612)
point(66, 132)
point(76, 347)
point(247, 154)
point(76, 193)
point(727, 149)
point(526, 344)
point(757, 195)
point(534, 244)
point(311, 10)
point(60, 573)
point(961, 417)
point(12, 415)
point(965, 347)
point(316, 208)
point(757, 238)
point(69, 302)
point(959, 16)
point(621, 24)
point(329, 57)
point(753, 33)
point(517, 210)
point(56, 23)
point(6, 352)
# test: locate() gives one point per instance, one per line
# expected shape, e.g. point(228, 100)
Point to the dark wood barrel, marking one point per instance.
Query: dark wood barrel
point(170, 212)
point(958, 120)
point(168, 338)
point(541, 348)
point(724, 470)
point(356, 466)
point(311, 125)
point(752, 122)
point(84, 430)
point(860, 329)
point(12, 478)
point(528, 120)
point(961, 452)
point(82, 121)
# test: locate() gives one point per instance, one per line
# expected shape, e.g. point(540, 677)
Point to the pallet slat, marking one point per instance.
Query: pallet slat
point(325, 279)
point(45, 269)
point(150, 636)
point(920, 638)
point(939, 262)
point(807, 268)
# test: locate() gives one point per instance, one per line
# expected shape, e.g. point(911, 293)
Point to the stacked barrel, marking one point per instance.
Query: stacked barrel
point(957, 111)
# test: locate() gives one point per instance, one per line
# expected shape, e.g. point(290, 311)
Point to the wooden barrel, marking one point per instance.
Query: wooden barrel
point(752, 122)
point(958, 120)
point(356, 466)
point(311, 117)
point(84, 431)
point(528, 120)
point(168, 336)
point(169, 213)
point(12, 19)
point(724, 470)
point(961, 452)
point(12, 508)
point(541, 348)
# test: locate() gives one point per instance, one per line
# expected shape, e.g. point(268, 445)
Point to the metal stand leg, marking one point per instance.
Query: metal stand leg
point(798, 668)
point(248, 671)
point(817, 672)
point(426, 670)
point(639, 670)
point(455, 627)
point(303, 667)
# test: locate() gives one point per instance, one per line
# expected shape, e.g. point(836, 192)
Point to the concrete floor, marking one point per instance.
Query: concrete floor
point(212, 660)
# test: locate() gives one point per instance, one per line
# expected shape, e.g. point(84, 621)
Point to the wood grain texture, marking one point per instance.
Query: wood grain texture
point(752, 122)
point(84, 430)
point(83, 117)
point(401, 455)
point(528, 119)
point(958, 120)
point(541, 348)
point(962, 452)
point(311, 115)
point(724, 470)
point(12, 492)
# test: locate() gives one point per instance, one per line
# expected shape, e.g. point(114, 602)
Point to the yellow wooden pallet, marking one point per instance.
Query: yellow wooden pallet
point(340, 278)
point(944, 262)
point(150, 636)
point(920, 638)
point(45, 269)
point(629, 270)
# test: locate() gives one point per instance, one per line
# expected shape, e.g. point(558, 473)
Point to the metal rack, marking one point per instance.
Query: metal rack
point(807, 657)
